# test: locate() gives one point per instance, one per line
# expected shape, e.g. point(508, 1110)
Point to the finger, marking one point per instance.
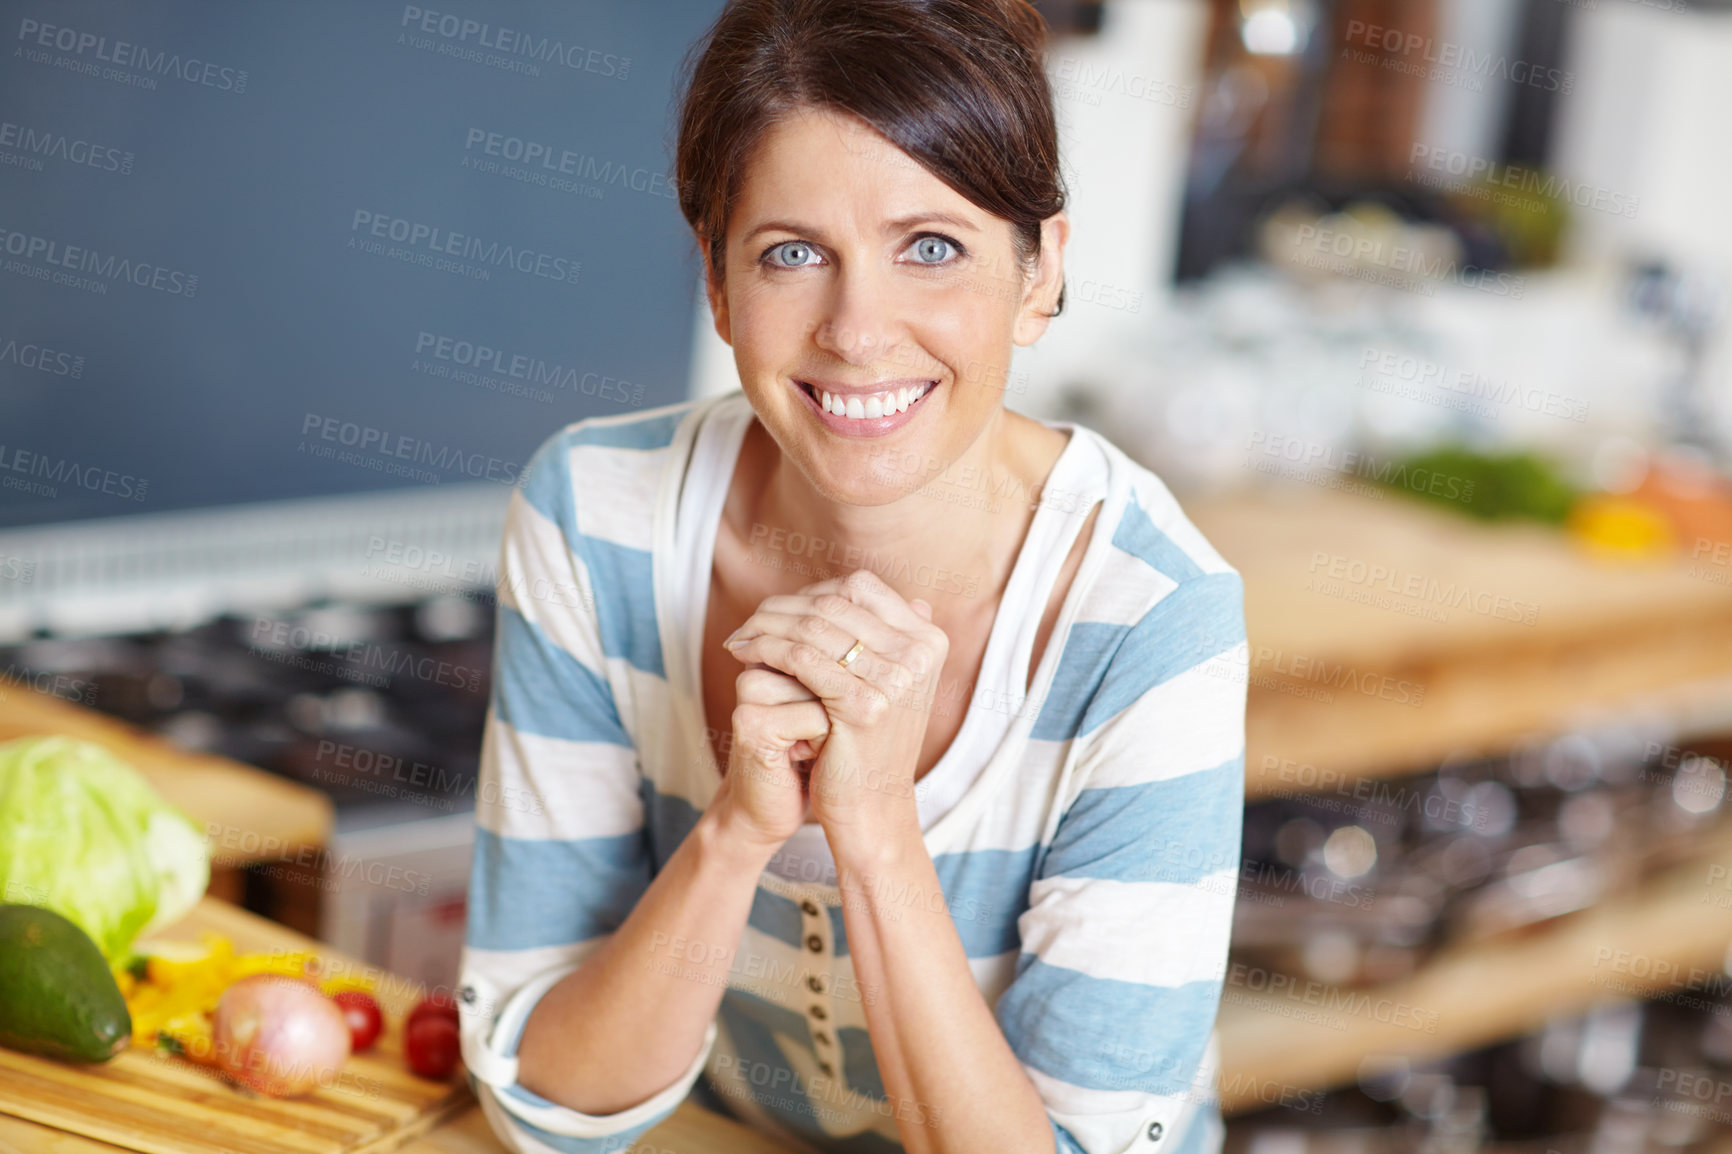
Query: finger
point(769, 732)
point(832, 626)
point(892, 661)
point(782, 612)
point(800, 721)
point(809, 747)
point(867, 589)
point(762, 685)
point(917, 646)
point(859, 691)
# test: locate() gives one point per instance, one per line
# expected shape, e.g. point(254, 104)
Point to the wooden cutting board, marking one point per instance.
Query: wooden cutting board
point(163, 1105)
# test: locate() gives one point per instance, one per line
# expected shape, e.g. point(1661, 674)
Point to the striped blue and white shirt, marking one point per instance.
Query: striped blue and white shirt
point(1085, 828)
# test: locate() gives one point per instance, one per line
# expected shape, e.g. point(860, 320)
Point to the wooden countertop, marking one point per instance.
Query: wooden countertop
point(249, 814)
point(689, 1130)
point(1389, 635)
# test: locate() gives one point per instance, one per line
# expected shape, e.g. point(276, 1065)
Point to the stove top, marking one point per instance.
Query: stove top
point(381, 707)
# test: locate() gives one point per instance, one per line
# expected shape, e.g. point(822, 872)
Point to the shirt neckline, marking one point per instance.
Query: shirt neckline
point(721, 429)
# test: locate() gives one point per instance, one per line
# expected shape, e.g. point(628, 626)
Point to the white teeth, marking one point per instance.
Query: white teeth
point(876, 405)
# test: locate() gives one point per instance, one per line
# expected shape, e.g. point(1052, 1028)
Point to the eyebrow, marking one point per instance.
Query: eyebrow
point(900, 224)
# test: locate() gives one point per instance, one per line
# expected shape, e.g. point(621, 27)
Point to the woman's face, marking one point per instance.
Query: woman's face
point(852, 269)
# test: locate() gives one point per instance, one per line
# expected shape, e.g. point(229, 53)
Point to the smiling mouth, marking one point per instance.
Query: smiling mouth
point(818, 399)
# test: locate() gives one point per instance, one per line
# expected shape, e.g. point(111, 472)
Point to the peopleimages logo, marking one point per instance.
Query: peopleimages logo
point(41, 358)
point(1351, 253)
point(16, 465)
point(28, 141)
point(402, 447)
point(518, 366)
point(1397, 366)
point(440, 241)
point(136, 56)
point(513, 43)
point(555, 161)
point(1476, 169)
point(1450, 59)
point(42, 251)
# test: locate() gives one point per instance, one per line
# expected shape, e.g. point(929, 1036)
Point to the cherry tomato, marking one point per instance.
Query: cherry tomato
point(366, 1023)
point(438, 1005)
point(431, 1046)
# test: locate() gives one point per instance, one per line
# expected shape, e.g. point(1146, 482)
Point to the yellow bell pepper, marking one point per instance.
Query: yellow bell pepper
point(184, 981)
point(1620, 527)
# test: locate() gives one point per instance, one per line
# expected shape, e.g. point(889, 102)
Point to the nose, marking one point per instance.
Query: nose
point(859, 323)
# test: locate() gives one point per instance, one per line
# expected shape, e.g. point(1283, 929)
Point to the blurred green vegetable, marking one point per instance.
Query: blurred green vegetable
point(1489, 487)
point(83, 834)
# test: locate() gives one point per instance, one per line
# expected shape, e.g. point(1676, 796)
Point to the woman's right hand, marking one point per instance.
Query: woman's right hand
point(779, 727)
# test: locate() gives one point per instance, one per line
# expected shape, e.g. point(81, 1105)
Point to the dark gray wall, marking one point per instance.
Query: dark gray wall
point(271, 227)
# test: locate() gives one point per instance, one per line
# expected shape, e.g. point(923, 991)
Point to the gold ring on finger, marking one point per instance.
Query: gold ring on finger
point(847, 658)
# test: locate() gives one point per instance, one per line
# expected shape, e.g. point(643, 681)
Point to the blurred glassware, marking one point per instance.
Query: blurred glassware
point(1276, 27)
point(1690, 303)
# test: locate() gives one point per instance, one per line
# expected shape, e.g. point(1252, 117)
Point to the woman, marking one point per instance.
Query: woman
point(937, 851)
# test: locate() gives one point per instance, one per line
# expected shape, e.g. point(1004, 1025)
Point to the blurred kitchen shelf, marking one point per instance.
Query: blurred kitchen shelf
point(1606, 638)
point(1312, 1035)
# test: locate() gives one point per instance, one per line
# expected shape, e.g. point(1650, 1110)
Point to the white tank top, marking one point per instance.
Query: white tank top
point(1079, 476)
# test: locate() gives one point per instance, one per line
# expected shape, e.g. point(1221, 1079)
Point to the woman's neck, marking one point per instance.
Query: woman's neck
point(953, 538)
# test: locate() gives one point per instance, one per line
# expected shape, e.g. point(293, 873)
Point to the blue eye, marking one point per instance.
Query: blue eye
point(797, 247)
point(930, 249)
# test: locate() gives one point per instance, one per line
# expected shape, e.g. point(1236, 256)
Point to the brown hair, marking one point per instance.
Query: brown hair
point(959, 85)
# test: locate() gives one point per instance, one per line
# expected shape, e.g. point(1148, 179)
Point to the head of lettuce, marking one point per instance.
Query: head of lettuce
point(83, 834)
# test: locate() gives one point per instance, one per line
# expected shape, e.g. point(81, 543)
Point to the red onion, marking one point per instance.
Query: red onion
point(279, 1035)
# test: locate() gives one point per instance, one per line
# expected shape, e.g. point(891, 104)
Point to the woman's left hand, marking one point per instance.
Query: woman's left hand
point(862, 783)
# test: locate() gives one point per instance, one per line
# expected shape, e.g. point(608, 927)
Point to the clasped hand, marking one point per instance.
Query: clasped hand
point(812, 736)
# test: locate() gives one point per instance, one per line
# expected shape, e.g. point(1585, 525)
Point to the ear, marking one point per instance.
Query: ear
point(1041, 296)
point(718, 296)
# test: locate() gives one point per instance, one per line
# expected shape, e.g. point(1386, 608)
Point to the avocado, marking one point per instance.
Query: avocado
point(57, 995)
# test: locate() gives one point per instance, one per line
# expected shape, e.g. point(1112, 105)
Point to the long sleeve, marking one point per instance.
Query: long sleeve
point(1124, 942)
point(560, 854)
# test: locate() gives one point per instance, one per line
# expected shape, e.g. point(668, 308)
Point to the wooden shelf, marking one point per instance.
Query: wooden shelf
point(1311, 1036)
point(1342, 688)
